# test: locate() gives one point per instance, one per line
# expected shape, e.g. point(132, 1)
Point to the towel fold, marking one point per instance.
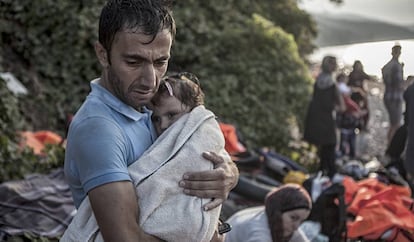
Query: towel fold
point(165, 211)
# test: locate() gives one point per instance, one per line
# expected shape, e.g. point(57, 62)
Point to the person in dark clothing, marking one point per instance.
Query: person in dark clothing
point(409, 123)
point(357, 76)
point(392, 74)
point(356, 80)
point(402, 141)
point(320, 124)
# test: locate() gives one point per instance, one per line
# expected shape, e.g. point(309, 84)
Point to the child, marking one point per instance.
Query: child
point(349, 120)
point(164, 210)
point(177, 95)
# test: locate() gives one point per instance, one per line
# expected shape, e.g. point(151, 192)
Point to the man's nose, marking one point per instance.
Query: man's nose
point(148, 74)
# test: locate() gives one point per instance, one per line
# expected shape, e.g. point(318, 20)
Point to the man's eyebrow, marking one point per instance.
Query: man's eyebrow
point(133, 56)
point(139, 57)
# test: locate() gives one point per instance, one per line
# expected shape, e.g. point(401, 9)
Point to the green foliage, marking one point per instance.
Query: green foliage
point(16, 161)
point(48, 44)
point(249, 55)
point(250, 69)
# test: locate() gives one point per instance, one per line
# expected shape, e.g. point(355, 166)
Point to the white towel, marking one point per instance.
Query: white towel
point(165, 211)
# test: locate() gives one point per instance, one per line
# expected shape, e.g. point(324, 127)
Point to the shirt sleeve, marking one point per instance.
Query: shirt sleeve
point(101, 152)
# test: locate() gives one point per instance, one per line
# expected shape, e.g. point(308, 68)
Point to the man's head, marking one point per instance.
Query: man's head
point(135, 38)
point(396, 50)
point(148, 17)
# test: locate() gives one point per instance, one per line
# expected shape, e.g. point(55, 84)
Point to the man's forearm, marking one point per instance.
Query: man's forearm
point(116, 210)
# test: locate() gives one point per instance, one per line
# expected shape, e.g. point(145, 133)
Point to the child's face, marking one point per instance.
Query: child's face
point(169, 110)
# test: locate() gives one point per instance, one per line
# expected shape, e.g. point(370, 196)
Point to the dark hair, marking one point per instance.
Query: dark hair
point(327, 61)
point(184, 86)
point(357, 62)
point(396, 49)
point(146, 16)
point(340, 76)
point(283, 199)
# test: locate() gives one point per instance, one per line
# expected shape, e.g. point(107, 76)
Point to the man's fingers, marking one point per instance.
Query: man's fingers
point(213, 204)
point(205, 193)
point(211, 175)
point(213, 157)
point(198, 184)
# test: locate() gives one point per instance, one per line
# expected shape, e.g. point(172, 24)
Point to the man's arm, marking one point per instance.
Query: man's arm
point(216, 183)
point(116, 210)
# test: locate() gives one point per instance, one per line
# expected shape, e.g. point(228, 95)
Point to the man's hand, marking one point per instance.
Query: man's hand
point(215, 184)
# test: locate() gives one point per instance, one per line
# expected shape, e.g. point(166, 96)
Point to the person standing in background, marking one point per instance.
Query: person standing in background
point(320, 123)
point(359, 94)
point(409, 125)
point(393, 77)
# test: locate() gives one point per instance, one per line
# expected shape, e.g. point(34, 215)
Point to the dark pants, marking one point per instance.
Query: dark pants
point(347, 143)
point(327, 159)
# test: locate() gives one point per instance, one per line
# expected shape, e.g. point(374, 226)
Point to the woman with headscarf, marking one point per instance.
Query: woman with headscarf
point(286, 207)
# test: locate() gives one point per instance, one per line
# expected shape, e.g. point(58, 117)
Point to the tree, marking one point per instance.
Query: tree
point(250, 69)
point(249, 55)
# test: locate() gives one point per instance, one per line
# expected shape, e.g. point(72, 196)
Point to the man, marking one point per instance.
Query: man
point(113, 127)
point(392, 74)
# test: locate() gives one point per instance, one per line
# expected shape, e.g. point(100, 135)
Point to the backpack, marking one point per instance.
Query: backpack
point(329, 210)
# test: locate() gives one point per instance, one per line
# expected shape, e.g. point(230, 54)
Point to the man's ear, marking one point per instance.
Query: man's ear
point(101, 54)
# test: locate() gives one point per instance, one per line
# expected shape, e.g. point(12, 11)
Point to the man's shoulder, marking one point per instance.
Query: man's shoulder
point(93, 115)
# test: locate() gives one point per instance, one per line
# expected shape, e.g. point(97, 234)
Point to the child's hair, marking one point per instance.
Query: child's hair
point(184, 86)
point(285, 198)
point(341, 77)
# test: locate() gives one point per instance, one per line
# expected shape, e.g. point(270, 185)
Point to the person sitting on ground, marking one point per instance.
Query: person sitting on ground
point(286, 207)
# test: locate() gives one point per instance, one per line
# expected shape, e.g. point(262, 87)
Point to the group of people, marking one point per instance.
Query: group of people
point(145, 160)
point(340, 102)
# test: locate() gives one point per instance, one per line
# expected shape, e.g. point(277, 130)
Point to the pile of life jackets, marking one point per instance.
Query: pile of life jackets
point(380, 211)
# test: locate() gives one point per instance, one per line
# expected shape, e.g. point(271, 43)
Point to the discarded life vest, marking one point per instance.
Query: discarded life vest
point(381, 211)
point(39, 139)
point(232, 143)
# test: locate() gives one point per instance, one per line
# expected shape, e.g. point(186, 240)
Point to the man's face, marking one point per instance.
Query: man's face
point(166, 112)
point(135, 70)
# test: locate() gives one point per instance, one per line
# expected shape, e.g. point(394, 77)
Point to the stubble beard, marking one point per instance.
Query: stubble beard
point(115, 83)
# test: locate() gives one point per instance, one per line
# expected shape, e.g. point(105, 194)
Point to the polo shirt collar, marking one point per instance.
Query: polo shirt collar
point(109, 99)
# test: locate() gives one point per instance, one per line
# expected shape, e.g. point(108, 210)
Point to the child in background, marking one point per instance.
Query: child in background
point(349, 120)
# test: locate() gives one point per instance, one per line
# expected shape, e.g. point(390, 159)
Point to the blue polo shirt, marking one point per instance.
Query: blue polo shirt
point(104, 138)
